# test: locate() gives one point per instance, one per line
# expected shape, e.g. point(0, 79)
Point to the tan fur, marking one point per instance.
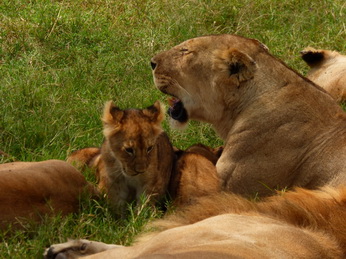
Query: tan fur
point(29, 190)
point(194, 174)
point(84, 157)
point(280, 129)
point(2, 153)
point(136, 157)
point(328, 69)
point(90, 157)
point(297, 224)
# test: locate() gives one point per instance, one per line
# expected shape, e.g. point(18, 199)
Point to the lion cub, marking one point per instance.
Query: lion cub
point(135, 158)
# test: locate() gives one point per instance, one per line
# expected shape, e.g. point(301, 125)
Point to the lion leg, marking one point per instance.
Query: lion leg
point(76, 248)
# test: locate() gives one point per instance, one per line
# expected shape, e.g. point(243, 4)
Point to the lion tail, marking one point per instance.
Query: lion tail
point(85, 157)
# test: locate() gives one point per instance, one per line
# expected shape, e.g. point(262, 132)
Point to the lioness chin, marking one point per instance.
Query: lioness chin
point(280, 129)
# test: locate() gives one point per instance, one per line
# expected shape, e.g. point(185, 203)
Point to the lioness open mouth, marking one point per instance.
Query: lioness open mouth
point(176, 110)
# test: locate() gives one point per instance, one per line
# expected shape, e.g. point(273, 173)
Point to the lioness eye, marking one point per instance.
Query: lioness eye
point(129, 150)
point(149, 149)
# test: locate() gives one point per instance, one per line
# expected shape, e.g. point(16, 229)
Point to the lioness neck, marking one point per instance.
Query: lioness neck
point(274, 85)
point(280, 120)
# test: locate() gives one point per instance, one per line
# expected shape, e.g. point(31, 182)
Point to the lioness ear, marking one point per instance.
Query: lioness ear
point(111, 118)
point(239, 66)
point(155, 112)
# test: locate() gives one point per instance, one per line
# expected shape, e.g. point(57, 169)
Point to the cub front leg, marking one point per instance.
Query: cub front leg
point(76, 248)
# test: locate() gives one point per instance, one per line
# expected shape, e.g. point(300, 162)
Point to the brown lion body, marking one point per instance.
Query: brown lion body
point(328, 69)
point(280, 130)
point(297, 224)
point(29, 190)
point(136, 157)
point(194, 174)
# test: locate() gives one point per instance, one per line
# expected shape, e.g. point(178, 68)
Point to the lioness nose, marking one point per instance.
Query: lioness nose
point(152, 64)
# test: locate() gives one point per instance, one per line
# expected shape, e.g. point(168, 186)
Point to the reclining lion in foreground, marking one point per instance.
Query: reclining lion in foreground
point(328, 69)
point(301, 224)
point(279, 129)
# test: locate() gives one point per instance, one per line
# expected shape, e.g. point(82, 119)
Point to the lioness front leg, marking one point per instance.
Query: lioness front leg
point(76, 248)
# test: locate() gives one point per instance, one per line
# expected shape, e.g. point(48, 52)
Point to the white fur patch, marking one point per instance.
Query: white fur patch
point(177, 124)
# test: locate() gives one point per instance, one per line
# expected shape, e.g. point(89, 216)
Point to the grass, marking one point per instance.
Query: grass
point(61, 60)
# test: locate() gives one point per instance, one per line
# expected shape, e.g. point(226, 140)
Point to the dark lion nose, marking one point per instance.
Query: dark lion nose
point(153, 65)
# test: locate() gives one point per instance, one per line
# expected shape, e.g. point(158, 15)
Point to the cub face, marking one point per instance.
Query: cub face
point(132, 135)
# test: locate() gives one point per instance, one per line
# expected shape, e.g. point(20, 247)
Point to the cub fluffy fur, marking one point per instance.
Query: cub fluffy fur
point(298, 224)
point(279, 129)
point(136, 156)
point(328, 69)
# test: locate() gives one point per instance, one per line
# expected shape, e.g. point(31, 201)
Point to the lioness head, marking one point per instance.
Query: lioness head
point(205, 74)
point(132, 134)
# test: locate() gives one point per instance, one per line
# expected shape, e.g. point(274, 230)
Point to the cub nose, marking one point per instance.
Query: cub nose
point(152, 64)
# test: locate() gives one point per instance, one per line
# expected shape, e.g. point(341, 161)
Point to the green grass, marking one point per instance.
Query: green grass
point(61, 60)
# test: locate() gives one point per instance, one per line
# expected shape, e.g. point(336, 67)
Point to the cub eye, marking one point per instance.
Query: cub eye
point(130, 151)
point(149, 149)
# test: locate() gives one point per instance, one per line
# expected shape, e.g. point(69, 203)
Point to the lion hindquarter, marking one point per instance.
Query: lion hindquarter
point(29, 190)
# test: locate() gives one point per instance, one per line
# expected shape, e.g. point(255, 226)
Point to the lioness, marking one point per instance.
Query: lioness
point(135, 158)
point(29, 190)
point(297, 224)
point(279, 129)
point(328, 69)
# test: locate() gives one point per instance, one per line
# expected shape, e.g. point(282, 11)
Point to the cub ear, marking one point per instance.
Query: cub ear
point(111, 118)
point(239, 66)
point(312, 56)
point(155, 112)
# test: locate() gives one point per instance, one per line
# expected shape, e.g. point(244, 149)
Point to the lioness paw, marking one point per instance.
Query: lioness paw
point(76, 248)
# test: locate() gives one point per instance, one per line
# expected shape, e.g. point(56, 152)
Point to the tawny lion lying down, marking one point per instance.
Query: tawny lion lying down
point(30, 190)
point(298, 224)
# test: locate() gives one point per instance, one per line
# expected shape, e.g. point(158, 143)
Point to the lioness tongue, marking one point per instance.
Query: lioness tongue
point(177, 110)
